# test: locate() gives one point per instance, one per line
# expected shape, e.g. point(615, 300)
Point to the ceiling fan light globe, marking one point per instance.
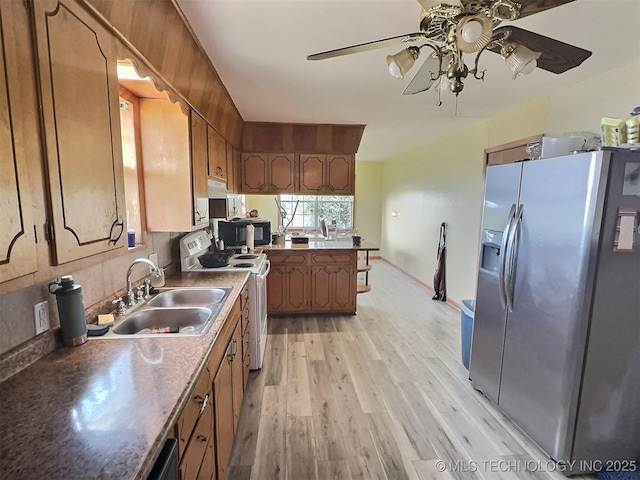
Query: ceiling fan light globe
point(474, 33)
point(521, 61)
point(471, 31)
point(394, 68)
point(401, 62)
point(529, 67)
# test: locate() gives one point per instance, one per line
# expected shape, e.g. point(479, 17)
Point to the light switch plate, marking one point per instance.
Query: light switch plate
point(154, 258)
point(41, 317)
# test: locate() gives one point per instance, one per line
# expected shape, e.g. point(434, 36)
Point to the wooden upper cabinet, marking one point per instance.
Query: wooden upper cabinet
point(312, 173)
point(217, 155)
point(232, 164)
point(199, 158)
point(282, 173)
point(340, 174)
point(176, 197)
point(268, 173)
point(327, 174)
point(79, 96)
point(254, 173)
point(509, 152)
point(18, 142)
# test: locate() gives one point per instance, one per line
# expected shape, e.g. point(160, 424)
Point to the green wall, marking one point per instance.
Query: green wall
point(443, 181)
point(368, 200)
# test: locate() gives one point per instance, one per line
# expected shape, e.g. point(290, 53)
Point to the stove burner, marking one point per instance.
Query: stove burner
point(245, 257)
point(243, 265)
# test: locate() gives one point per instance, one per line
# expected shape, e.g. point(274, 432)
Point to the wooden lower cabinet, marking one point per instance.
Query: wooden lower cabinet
point(228, 392)
point(246, 332)
point(312, 282)
point(287, 288)
point(194, 431)
point(197, 461)
point(207, 425)
point(223, 407)
point(332, 288)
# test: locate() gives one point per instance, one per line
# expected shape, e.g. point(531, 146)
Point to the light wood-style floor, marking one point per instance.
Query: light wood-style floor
point(379, 395)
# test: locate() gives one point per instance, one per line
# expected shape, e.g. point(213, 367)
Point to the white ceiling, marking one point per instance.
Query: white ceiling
point(259, 49)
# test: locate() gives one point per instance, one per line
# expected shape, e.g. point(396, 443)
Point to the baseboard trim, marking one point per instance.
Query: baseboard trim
point(450, 301)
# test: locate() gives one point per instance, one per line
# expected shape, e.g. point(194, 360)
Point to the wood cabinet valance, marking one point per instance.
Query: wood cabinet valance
point(509, 152)
point(301, 137)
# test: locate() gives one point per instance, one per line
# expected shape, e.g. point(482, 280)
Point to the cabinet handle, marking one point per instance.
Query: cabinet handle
point(115, 224)
point(235, 348)
point(202, 438)
point(202, 401)
point(230, 354)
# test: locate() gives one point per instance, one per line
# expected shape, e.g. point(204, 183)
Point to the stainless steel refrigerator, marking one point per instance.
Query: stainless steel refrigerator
point(556, 339)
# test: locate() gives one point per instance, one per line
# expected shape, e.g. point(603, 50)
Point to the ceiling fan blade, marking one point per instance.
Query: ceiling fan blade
point(363, 47)
point(424, 77)
point(529, 7)
point(557, 57)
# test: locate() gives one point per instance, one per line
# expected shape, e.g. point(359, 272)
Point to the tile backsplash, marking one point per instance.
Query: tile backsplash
point(98, 282)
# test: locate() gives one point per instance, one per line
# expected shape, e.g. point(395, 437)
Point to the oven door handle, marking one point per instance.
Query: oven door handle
point(263, 275)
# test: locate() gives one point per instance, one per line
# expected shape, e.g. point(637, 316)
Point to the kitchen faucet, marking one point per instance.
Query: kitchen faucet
point(157, 271)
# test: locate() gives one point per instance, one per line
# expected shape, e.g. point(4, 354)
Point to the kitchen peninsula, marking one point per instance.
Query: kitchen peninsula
point(320, 276)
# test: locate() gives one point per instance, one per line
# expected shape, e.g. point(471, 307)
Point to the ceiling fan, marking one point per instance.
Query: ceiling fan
point(450, 29)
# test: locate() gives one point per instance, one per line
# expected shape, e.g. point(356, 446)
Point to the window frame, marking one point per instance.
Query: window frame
point(314, 199)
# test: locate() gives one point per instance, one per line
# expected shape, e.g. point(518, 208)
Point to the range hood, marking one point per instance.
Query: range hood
point(216, 189)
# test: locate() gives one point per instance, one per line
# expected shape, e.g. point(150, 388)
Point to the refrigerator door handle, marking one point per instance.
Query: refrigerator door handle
point(512, 256)
point(503, 250)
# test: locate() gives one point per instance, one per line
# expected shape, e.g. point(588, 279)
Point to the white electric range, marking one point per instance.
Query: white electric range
point(197, 243)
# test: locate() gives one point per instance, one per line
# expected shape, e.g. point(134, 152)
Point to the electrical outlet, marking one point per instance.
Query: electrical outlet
point(41, 317)
point(154, 258)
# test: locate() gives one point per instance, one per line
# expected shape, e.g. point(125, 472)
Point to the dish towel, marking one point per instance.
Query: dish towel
point(440, 278)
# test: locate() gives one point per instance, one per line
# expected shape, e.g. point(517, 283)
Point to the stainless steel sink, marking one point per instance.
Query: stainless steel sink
point(173, 312)
point(190, 296)
point(185, 320)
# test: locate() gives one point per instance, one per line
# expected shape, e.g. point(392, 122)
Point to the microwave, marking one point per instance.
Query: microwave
point(234, 233)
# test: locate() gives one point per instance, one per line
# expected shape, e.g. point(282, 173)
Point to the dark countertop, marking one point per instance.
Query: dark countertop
point(321, 244)
point(103, 409)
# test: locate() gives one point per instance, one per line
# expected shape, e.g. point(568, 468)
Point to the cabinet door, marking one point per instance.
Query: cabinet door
point(276, 289)
point(197, 449)
point(236, 373)
point(333, 288)
point(340, 174)
point(282, 173)
point(166, 164)
point(18, 143)
point(312, 173)
point(223, 413)
point(199, 156)
point(297, 288)
point(254, 173)
point(79, 95)
point(344, 288)
point(232, 178)
point(217, 155)
point(321, 288)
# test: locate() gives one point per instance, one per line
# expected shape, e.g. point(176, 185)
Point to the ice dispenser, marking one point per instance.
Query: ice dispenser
point(490, 253)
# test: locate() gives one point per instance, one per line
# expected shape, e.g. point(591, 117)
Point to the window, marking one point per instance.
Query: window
point(128, 107)
point(338, 208)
